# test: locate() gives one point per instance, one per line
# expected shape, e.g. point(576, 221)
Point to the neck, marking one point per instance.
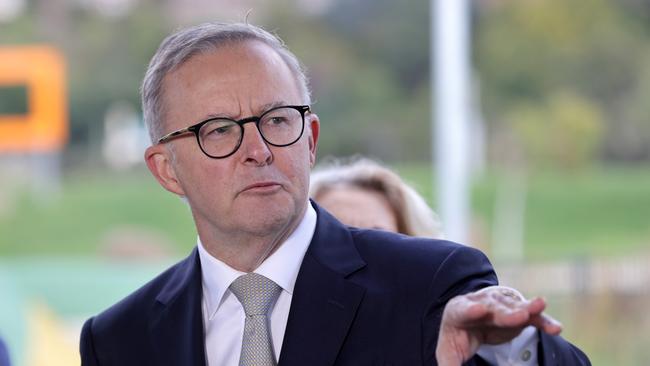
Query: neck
point(245, 251)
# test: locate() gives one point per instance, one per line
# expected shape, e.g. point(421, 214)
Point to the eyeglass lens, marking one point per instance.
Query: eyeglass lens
point(280, 127)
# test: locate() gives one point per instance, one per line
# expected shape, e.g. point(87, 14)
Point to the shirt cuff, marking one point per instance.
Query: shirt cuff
point(522, 350)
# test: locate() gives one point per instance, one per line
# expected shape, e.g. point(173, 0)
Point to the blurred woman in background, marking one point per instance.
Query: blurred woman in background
point(365, 194)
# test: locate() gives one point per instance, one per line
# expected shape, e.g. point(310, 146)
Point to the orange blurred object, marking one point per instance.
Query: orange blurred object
point(41, 69)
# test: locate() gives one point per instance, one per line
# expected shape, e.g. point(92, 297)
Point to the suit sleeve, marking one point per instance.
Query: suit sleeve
point(554, 350)
point(87, 346)
point(463, 270)
point(466, 270)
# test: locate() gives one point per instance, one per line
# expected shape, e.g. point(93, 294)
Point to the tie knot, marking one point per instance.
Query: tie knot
point(256, 293)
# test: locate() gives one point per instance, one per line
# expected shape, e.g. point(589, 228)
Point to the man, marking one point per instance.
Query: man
point(275, 278)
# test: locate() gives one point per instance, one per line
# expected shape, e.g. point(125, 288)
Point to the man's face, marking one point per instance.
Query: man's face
point(261, 189)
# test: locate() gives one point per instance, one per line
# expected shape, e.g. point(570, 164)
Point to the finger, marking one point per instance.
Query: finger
point(546, 324)
point(542, 321)
point(465, 312)
point(505, 317)
point(491, 290)
point(491, 314)
point(536, 306)
point(504, 296)
point(460, 312)
point(476, 311)
point(507, 299)
point(479, 295)
point(505, 308)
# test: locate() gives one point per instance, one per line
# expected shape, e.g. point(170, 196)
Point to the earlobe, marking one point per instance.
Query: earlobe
point(159, 162)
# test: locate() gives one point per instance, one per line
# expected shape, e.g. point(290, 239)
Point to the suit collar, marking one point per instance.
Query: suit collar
point(182, 276)
point(325, 302)
point(332, 245)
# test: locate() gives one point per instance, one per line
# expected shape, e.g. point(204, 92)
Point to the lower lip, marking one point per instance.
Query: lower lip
point(266, 189)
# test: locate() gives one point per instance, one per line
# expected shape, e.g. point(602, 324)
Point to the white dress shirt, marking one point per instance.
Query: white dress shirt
point(223, 314)
point(521, 351)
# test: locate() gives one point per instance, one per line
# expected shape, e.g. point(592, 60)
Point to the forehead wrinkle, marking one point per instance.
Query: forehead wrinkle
point(257, 111)
point(227, 113)
point(236, 101)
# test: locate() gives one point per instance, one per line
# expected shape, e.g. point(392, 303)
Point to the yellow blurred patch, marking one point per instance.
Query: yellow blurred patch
point(50, 343)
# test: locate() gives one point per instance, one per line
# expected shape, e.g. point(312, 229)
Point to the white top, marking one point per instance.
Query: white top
point(223, 314)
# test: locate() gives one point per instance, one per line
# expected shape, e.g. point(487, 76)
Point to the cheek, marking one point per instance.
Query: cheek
point(298, 164)
point(203, 180)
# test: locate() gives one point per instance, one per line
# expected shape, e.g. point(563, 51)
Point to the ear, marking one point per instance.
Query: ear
point(160, 164)
point(314, 123)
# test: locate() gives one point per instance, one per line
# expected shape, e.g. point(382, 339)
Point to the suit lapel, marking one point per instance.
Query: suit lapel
point(176, 321)
point(324, 301)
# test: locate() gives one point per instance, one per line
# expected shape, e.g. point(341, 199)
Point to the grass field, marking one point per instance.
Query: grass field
point(89, 207)
point(601, 212)
point(597, 213)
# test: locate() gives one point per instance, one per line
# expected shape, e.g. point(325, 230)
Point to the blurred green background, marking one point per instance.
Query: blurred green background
point(562, 137)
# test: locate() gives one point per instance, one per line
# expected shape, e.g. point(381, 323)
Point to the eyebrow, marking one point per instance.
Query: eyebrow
point(263, 108)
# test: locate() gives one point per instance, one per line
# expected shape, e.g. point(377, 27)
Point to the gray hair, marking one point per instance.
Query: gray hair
point(179, 47)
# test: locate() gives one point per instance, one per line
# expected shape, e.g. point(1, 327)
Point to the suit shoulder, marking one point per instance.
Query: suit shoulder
point(447, 268)
point(412, 248)
point(130, 312)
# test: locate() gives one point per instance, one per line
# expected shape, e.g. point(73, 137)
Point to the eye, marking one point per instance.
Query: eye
point(276, 120)
point(278, 117)
point(221, 130)
point(218, 129)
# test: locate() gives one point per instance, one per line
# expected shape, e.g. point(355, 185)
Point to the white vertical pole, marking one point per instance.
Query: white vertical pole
point(450, 92)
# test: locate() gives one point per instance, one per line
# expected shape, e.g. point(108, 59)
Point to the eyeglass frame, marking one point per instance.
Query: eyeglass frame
point(195, 128)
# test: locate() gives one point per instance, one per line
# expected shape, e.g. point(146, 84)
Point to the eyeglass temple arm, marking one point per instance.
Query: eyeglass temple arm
point(173, 134)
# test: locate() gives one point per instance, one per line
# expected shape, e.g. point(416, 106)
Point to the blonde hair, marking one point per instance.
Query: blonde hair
point(414, 216)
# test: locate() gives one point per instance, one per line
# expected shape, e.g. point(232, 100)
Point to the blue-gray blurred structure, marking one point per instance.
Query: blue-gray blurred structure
point(451, 98)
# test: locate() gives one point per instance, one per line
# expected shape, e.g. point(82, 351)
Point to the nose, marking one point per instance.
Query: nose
point(255, 150)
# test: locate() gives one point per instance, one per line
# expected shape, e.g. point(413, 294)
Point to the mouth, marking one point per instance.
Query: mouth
point(266, 187)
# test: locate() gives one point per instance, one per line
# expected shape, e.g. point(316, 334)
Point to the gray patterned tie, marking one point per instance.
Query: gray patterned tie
point(257, 294)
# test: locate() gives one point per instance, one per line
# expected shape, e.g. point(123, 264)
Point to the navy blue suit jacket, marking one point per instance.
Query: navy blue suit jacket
point(362, 297)
point(4, 354)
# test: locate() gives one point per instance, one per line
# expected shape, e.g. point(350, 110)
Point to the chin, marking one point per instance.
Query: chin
point(272, 217)
point(264, 214)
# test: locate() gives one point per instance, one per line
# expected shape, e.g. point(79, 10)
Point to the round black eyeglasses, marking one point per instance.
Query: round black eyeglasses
point(220, 137)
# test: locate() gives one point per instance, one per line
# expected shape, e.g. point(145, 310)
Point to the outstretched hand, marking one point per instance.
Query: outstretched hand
point(493, 315)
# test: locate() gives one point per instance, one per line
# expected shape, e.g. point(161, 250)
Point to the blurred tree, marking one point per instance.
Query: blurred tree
point(109, 57)
point(370, 75)
point(528, 50)
point(565, 131)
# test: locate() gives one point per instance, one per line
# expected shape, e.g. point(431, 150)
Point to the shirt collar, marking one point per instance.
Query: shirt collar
point(281, 267)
